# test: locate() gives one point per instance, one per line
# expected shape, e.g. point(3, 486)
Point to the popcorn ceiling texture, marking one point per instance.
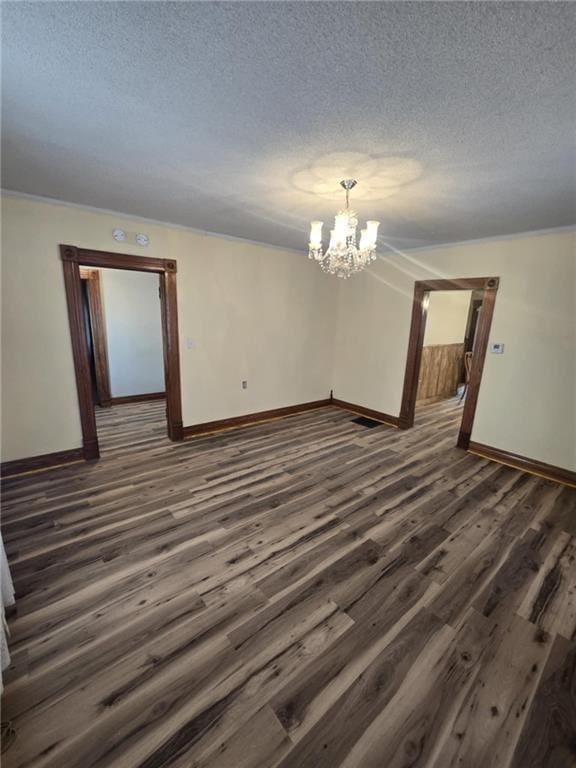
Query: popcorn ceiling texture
point(240, 118)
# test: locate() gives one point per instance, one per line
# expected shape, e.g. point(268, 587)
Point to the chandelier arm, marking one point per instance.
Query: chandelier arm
point(344, 256)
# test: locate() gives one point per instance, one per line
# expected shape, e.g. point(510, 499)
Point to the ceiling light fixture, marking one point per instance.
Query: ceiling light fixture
point(343, 256)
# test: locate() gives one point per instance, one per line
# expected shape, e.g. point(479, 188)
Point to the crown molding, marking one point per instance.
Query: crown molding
point(207, 233)
point(491, 239)
point(143, 219)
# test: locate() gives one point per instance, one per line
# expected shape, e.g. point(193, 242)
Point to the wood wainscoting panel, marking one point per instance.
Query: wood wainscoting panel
point(441, 370)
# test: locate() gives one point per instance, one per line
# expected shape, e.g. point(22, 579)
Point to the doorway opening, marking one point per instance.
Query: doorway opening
point(87, 329)
point(464, 363)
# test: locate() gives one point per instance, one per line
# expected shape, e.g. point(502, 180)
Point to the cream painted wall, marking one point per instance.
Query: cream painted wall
point(133, 331)
point(252, 312)
point(446, 317)
point(526, 403)
point(266, 315)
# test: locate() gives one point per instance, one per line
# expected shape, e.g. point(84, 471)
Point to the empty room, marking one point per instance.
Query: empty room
point(288, 360)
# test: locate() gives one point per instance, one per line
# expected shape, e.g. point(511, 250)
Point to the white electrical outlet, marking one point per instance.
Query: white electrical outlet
point(244, 384)
point(497, 348)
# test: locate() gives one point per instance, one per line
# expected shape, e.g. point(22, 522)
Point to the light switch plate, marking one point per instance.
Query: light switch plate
point(497, 348)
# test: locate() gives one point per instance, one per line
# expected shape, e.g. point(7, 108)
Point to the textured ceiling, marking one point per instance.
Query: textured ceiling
point(241, 117)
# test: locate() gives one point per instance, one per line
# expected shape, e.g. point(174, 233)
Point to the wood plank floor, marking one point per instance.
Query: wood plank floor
point(304, 593)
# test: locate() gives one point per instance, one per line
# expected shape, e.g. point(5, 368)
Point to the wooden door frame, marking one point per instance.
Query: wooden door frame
point(72, 259)
point(422, 288)
point(99, 343)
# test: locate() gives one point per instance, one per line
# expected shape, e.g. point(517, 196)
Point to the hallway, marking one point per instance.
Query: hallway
point(133, 426)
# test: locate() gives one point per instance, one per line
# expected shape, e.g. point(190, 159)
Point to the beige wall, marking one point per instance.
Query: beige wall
point(446, 317)
point(131, 302)
point(253, 312)
point(266, 315)
point(526, 403)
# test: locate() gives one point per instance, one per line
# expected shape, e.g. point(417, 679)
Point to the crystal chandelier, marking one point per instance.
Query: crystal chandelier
point(343, 256)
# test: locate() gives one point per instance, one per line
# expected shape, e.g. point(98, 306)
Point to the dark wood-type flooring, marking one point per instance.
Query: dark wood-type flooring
point(305, 593)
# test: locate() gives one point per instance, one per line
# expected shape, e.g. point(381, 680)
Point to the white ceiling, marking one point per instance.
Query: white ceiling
point(241, 117)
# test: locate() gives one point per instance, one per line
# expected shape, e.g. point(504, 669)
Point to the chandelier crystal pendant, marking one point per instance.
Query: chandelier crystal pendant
point(343, 256)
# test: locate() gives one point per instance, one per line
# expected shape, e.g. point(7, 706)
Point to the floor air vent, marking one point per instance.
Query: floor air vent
point(365, 422)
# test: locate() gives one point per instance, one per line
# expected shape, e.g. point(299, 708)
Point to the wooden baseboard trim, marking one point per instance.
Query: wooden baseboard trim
point(237, 422)
point(137, 398)
point(40, 463)
point(532, 466)
point(385, 418)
